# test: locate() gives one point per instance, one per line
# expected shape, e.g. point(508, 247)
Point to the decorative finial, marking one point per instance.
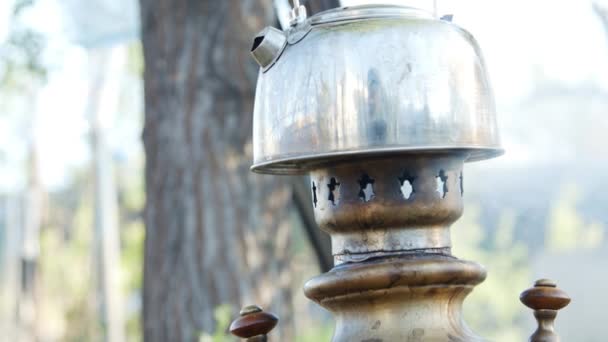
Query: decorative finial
point(254, 324)
point(545, 299)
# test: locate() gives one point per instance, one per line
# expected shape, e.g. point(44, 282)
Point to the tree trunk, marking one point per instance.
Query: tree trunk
point(107, 239)
point(29, 312)
point(215, 233)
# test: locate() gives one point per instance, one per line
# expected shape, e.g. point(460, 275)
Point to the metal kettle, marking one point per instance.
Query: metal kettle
point(369, 80)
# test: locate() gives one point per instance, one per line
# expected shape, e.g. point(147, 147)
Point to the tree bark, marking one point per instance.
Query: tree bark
point(215, 233)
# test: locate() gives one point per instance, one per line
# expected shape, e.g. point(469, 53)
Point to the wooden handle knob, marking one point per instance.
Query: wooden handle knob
point(253, 324)
point(545, 299)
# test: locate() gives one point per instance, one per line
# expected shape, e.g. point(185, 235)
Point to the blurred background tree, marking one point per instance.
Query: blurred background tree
point(214, 231)
point(22, 74)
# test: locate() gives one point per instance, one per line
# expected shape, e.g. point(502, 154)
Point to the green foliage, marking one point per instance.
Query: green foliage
point(66, 274)
point(21, 66)
point(67, 270)
point(567, 229)
point(223, 317)
point(21, 75)
point(316, 334)
point(493, 309)
point(131, 200)
point(132, 260)
point(132, 255)
point(135, 59)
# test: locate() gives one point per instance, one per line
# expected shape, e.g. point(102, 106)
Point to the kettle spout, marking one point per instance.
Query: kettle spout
point(268, 46)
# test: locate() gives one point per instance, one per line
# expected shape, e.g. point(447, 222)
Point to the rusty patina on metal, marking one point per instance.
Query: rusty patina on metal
point(395, 279)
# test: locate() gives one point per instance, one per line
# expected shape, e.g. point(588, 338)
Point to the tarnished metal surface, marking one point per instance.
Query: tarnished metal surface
point(368, 12)
point(389, 219)
point(268, 46)
point(381, 84)
point(546, 300)
point(414, 298)
point(399, 208)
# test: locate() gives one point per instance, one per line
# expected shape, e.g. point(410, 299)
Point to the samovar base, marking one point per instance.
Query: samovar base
point(407, 298)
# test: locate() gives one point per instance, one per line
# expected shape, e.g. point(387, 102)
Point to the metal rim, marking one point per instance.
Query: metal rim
point(304, 163)
point(350, 13)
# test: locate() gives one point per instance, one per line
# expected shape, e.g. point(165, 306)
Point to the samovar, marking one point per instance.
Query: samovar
point(381, 106)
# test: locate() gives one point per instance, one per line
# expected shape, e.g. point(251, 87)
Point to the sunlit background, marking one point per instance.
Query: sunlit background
point(71, 97)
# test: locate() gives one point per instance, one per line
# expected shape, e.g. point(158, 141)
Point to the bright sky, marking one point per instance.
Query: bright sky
point(5, 14)
point(563, 38)
point(520, 38)
point(61, 119)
